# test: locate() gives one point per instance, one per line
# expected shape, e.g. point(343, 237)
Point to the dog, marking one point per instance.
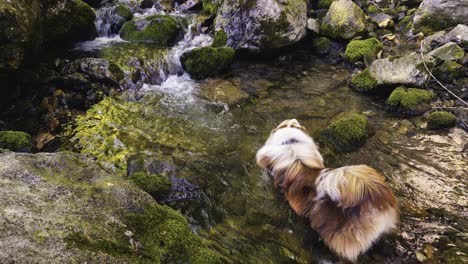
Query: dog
point(350, 207)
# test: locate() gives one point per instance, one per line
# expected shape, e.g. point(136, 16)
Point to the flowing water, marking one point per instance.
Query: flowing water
point(238, 211)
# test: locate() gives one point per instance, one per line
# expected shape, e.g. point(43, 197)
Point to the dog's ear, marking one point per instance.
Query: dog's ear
point(266, 155)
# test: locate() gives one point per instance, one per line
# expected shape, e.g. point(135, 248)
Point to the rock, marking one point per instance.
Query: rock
point(208, 61)
point(448, 52)
point(324, 4)
point(383, 20)
point(434, 15)
point(124, 12)
point(66, 208)
point(346, 133)
point(167, 5)
point(220, 90)
point(160, 30)
point(321, 45)
point(313, 25)
point(15, 140)
point(154, 184)
point(448, 71)
point(410, 102)
point(210, 7)
point(364, 81)
point(458, 35)
point(262, 24)
point(344, 20)
point(363, 50)
point(407, 70)
point(99, 70)
point(440, 120)
point(189, 4)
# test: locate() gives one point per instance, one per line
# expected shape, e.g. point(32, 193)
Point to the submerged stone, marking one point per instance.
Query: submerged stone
point(262, 24)
point(344, 20)
point(347, 132)
point(161, 30)
point(440, 120)
point(363, 49)
point(410, 102)
point(226, 91)
point(207, 61)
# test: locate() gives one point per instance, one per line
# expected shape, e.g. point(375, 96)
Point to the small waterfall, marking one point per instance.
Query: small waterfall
point(108, 23)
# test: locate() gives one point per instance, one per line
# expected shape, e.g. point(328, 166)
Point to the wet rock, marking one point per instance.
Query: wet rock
point(208, 61)
point(189, 4)
point(160, 30)
point(434, 15)
point(458, 35)
point(72, 210)
point(363, 50)
point(344, 20)
point(263, 24)
point(440, 120)
point(448, 52)
point(313, 25)
point(99, 70)
point(346, 132)
point(363, 81)
point(410, 102)
point(226, 91)
point(16, 141)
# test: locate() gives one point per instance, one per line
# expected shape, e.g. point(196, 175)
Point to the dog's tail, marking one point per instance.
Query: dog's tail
point(358, 207)
point(356, 186)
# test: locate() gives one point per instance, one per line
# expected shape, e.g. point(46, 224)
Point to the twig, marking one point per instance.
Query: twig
point(430, 73)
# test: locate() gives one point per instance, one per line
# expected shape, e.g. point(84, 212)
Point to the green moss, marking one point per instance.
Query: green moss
point(81, 241)
point(410, 101)
point(162, 30)
point(344, 20)
point(220, 39)
point(440, 119)
point(348, 132)
point(153, 184)
point(124, 12)
point(75, 23)
point(14, 140)
point(208, 61)
point(210, 7)
point(324, 4)
point(117, 73)
point(448, 70)
point(363, 81)
point(321, 45)
point(363, 49)
point(166, 237)
point(372, 9)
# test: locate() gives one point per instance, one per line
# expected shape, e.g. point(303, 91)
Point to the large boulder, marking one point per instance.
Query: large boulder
point(434, 15)
point(160, 30)
point(344, 20)
point(262, 24)
point(207, 61)
point(65, 208)
point(28, 25)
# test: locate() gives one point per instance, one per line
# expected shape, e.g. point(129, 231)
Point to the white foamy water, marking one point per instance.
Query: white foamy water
point(98, 43)
point(178, 86)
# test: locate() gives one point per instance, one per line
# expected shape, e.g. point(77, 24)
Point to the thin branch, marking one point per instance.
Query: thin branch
point(430, 73)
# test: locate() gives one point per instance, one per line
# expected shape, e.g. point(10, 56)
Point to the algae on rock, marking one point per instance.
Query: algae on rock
point(363, 49)
point(161, 30)
point(410, 101)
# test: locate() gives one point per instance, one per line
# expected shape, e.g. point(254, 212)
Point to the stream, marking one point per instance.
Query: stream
point(212, 145)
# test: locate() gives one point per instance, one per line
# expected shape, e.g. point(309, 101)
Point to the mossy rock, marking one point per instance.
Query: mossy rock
point(448, 52)
point(210, 7)
point(347, 132)
point(153, 184)
point(363, 81)
point(321, 45)
point(15, 140)
point(372, 9)
point(160, 30)
point(344, 20)
point(410, 102)
point(74, 23)
point(220, 39)
point(208, 61)
point(358, 50)
point(449, 71)
point(440, 120)
point(124, 12)
point(324, 4)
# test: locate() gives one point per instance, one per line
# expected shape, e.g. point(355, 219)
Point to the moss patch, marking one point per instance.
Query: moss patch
point(410, 101)
point(440, 120)
point(348, 132)
point(363, 49)
point(210, 7)
point(124, 12)
point(161, 30)
point(363, 81)
point(153, 184)
point(220, 39)
point(449, 70)
point(208, 61)
point(167, 238)
point(14, 140)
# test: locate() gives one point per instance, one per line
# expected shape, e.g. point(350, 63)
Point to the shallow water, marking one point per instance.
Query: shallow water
point(239, 212)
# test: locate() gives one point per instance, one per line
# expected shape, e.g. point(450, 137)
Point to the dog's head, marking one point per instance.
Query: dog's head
point(287, 151)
